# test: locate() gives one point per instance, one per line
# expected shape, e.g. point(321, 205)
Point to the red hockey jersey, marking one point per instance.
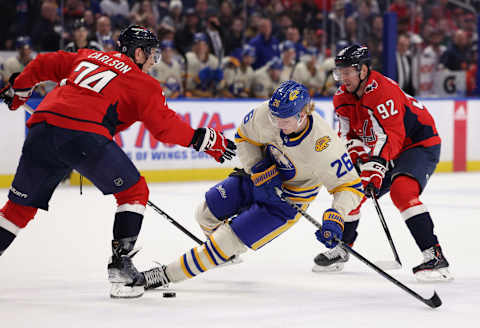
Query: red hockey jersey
point(103, 93)
point(385, 118)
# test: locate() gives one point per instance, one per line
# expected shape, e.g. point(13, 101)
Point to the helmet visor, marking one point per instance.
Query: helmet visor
point(155, 52)
point(342, 74)
point(288, 123)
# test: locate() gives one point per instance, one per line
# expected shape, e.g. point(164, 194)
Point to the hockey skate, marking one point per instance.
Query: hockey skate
point(156, 277)
point(434, 267)
point(126, 281)
point(331, 260)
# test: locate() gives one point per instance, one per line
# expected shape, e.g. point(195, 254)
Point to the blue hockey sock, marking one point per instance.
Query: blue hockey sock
point(127, 224)
point(421, 228)
point(6, 238)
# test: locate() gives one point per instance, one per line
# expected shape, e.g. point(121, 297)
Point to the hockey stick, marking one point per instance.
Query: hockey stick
point(398, 263)
point(432, 302)
point(175, 223)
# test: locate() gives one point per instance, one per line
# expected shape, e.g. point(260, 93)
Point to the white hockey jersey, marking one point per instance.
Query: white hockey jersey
point(169, 76)
point(314, 158)
point(194, 65)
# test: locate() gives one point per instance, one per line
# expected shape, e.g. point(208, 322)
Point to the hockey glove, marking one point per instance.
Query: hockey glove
point(356, 150)
point(332, 228)
point(214, 144)
point(265, 179)
point(14, 98)
point(372, 175)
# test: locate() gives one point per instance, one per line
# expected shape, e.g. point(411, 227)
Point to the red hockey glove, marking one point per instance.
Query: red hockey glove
point(356, 150)
point(372, 175)
point(14, 98)
point(214, 144)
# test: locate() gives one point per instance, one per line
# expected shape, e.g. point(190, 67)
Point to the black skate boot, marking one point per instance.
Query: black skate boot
point(331, 260)
point(434, 267)
point(156, 277)
point(126, 281)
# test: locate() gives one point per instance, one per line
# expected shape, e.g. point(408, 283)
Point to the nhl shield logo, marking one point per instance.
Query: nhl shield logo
point(118, 182)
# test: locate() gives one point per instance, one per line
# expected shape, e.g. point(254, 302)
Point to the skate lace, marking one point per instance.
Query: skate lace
point(156, 277)
point(335, 252)
point(429, 254)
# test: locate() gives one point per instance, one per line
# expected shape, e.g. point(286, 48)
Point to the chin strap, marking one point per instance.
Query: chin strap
point(361, 81)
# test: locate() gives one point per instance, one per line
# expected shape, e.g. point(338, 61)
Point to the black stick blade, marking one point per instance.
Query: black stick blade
point(435, 301)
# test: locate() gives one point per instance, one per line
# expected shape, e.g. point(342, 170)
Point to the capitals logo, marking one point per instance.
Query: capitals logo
point(372, 86)
point(339, 91)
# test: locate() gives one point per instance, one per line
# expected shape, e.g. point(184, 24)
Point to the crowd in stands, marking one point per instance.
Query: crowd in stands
point(245, 48)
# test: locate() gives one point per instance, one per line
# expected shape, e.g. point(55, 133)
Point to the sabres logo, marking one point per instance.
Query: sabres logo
point(276, 103)
point(293, 95)
point(322, 143)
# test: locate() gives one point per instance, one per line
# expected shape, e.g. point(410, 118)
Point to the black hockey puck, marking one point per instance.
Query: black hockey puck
point(169, 294)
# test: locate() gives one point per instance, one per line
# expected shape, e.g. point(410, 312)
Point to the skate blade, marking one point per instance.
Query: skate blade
point(336, 267)
point(119, 290)
point(439, 275)
point(388, 265)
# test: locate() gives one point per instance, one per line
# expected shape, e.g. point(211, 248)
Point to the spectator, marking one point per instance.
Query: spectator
point(293, 35)
point(80, 38)
point(203, 73)
point(104, 31)
point(456, 57)
point(117, 10)
point(226, 16)
point(201, 10)
point(288, 55)
point(404, 65)
point(72, 10)
point(266, 45)
point(351, 31)
point(234, 37)
point(267, 78)
point(45, 36)
point(239, 73)
point(429, 62)
point(308, 72)
point(174, 16)
point(168, 72)
point(184, 37)
point(17, 63)
point(215, 36)
point(141, 12)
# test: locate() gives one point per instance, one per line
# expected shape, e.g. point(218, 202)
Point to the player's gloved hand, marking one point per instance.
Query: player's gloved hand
point(372, 175)
point(265, 179)
point(14, 98)
point(214, 144)
point(356, 150)
point(332, 228)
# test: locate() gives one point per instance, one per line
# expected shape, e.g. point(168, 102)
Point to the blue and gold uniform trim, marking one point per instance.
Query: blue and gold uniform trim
point(218, 251)
point(240, 137)
point(277, 232)
point(291, 142)
point(301, 195)
point(353, 186)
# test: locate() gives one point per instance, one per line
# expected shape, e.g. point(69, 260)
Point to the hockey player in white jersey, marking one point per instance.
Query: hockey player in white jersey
point(282, 143)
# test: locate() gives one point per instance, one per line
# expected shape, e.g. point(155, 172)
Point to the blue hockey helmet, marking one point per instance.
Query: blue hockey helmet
point(288, 99)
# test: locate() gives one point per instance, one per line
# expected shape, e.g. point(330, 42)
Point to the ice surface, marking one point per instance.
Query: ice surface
point(54, 275)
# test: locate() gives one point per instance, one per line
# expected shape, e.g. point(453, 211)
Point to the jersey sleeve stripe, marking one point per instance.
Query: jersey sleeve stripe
point(240, 137)
point(352, 186)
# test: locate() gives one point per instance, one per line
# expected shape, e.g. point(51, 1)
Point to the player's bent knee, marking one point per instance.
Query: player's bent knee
point(16, 216)
point(205, 218)
point(133, 199)
point(404, 192)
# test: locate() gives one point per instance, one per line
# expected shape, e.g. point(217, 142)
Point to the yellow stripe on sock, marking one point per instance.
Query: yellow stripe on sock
point(208, 255)
point(184, 268)
point(198, 260)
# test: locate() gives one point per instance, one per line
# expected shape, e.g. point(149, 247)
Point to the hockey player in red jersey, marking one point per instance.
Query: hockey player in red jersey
point(392, 139)
point(98, 95)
